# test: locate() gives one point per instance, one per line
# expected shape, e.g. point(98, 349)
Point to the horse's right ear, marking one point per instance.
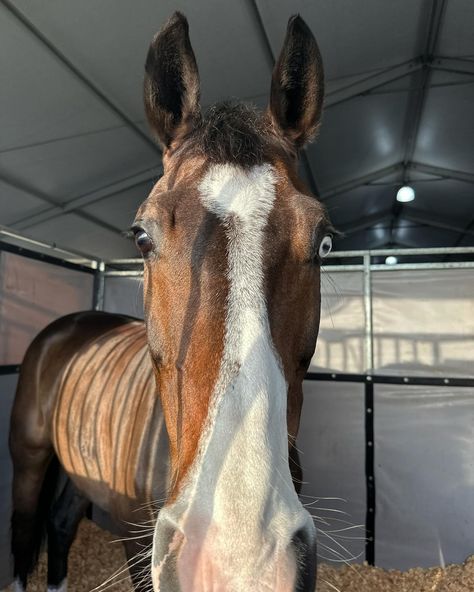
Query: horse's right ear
point(171, 89)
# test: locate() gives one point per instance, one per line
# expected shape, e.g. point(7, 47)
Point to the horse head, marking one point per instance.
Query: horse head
point(232, 243)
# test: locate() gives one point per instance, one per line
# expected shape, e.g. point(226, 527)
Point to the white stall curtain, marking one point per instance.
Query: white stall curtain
point(32, 294)
point(424, 437)
point(423, 322)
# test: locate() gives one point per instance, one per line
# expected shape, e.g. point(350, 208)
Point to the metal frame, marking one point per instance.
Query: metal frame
point(75, 260)
point(127, 268)
point(9, 369)
point(35, 250)
point(99, 287)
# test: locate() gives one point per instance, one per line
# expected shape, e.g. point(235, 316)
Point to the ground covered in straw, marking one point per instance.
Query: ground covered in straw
point(95, 557)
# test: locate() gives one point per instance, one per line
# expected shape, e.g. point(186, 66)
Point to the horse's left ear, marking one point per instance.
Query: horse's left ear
point(297, 91)
point(171, 88)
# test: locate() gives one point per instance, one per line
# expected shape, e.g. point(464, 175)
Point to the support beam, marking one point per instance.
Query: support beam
point(417, 106)
point(454, 65)
point(439, 172)
point(23, 187)
point(365, 85)
point(74, 70)
point(366, 222)
point(69, 254)
point(417, 100)
point(428, 219)
point(468, 230)
point(368, 238)
point(88, 198)
point(413, 214)
point(442, 172)
point(359, 181)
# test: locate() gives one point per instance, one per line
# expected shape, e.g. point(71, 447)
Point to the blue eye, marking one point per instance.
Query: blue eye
point(326, 246)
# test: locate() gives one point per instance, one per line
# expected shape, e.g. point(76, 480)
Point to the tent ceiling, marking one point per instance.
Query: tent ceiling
point(76, 158)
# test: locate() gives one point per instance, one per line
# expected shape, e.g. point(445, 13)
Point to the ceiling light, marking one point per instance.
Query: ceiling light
point(391, 260)
point(405, 193)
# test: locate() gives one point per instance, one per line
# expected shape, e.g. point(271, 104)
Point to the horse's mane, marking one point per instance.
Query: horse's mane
point(232, 132)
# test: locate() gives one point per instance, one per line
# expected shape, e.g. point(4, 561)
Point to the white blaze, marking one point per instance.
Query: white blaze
point(61, 588)
point(18, 586)
point(233, 521)
point(239, 503)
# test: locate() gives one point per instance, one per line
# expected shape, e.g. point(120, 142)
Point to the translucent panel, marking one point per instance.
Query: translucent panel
point(7, 393)
point(332, 445)
point(124, 295)
point(32, 294)
point(340, 345)
point(424, 475)
point(424, 321)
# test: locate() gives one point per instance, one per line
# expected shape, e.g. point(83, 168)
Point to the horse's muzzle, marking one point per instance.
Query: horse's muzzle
point(181, 564)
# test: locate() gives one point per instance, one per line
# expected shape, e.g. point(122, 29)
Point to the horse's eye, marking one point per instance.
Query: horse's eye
point(325, 246)
point(143, 241)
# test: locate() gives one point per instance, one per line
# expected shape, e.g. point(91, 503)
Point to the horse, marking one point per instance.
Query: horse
point(195, 410)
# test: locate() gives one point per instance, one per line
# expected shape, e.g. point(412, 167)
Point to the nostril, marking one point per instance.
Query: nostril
point(305, 551)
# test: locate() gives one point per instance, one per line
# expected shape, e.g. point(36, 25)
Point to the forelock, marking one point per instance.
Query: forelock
point(234, 133)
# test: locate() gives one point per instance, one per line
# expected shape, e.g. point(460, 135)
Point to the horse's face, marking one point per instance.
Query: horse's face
point(232, 244)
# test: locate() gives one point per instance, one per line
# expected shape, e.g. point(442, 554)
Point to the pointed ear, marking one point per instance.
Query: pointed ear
point(297, 90)
point(171, 89)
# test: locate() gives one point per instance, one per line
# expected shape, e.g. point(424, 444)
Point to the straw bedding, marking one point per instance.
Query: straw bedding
point(94, 557)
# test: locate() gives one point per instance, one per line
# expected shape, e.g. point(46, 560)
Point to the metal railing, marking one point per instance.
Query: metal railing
point(132, 267)
point(366, 266)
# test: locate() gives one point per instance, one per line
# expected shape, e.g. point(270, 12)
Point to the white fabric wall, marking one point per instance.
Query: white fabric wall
point(424, 475)
point(424, 439)
point(124, 295)
point(32, 294)
point(424, 321)
point(331, 441)
point(340, 346)
point(7, 393)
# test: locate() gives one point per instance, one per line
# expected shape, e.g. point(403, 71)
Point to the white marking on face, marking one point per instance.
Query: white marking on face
point(61, 588)
point(18, 586)
point(239, 503)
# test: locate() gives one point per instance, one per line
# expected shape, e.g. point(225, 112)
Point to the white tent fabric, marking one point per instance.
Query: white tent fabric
point(32, 294)
point(424, 475)
point(423, 322)
point(341, 340)
point(7, 393)
point(332, 444)
point(75, 155)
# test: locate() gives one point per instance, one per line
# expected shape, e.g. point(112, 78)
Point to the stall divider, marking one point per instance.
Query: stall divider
point(370, 407)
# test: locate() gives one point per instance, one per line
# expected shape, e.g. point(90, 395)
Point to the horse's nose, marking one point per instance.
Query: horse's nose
point(186, 565)
point(304, 545)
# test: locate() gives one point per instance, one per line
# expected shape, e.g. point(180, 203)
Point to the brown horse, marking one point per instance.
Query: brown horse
point(231, 242)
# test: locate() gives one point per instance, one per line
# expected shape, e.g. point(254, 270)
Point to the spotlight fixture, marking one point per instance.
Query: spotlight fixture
point(391, 260)
point(405, 194)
